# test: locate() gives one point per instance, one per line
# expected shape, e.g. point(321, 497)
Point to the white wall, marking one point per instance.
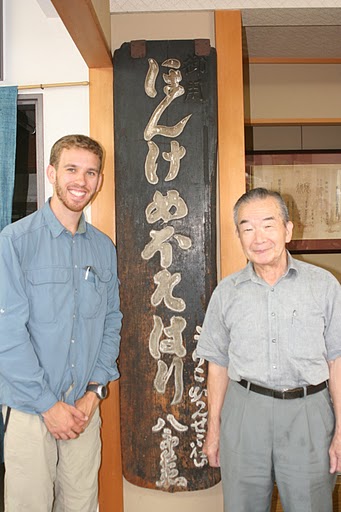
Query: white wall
point(295, 91)
point(161, 26)
point(39, 50)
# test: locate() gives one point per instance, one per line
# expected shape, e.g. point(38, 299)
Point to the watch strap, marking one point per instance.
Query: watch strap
point(99, 389)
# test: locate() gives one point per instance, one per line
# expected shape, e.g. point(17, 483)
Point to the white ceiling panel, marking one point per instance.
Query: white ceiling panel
point(291, 17)
point(196, 5)
point(272, 29)
point(296, 42)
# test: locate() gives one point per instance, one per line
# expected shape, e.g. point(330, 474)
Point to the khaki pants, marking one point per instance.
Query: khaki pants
point(44, 475)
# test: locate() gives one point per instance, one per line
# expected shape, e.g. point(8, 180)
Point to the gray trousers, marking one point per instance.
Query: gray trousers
point(264, 440)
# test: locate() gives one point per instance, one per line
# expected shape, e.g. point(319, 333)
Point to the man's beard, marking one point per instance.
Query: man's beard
point(74, 207)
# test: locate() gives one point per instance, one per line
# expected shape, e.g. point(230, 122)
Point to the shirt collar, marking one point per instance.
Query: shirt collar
point(248, 273)
point(292, 265)
point(57, 227)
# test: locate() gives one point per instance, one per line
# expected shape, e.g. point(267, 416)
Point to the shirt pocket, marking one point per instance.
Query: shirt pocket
point(46, 292)
point(306, 333)
point(94, 293)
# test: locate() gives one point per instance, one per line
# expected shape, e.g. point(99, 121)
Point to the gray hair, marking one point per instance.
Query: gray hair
point(260, 193)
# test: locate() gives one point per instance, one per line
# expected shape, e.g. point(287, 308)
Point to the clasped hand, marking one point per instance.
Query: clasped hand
point(66, 421)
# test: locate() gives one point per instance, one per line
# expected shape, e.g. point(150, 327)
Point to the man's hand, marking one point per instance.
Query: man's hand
point(64, 421)
point(88, 405)
point(211, 448)
point(217, 383)
point(335, 392)
point(335, 454)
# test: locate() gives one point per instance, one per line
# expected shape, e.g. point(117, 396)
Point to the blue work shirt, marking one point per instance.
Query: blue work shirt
point(59, 311)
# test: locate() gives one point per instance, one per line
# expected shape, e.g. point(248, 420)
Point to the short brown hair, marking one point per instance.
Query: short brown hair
point(75, 141)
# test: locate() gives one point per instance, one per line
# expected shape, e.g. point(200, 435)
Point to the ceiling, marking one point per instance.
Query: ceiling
point(298, 29)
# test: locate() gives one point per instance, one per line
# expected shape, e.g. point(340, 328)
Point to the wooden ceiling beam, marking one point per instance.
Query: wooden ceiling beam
point(81, 21)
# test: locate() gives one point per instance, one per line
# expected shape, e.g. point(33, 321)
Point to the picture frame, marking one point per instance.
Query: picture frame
point(310, 184)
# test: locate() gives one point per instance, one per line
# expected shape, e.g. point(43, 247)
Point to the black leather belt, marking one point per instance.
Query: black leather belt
point(287, 394)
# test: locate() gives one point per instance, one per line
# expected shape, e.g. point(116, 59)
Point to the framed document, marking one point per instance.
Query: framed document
point(311, 187)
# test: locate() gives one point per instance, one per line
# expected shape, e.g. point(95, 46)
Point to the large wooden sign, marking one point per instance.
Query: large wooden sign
point(165, 165)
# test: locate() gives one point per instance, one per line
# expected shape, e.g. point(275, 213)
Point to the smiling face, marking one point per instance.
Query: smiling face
point(76, 180)
point(263, 234)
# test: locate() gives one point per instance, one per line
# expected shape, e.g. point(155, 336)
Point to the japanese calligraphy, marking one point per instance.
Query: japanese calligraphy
point(169, 472)
point(199, 417)
point(159, 243)
point(172, 90)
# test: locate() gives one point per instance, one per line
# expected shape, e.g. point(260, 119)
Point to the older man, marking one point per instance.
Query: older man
point(272, 336)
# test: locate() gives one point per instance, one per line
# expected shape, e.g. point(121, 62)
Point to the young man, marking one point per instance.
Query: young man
point(59, 339)
point(272, 336)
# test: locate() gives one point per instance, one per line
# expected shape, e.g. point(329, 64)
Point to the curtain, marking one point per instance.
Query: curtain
point(8, 135)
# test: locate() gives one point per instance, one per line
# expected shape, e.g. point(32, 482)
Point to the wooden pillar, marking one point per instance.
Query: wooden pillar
point(231, 151)
point(102, 129)
point(103, 217)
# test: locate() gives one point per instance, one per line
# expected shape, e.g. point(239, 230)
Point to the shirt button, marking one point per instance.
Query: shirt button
point(272, 314)
point(272, 289)
point(72, 341)
point(273, 341)
point(274, 367)
point(2, 310)
point(72, 366)
point(76, 266)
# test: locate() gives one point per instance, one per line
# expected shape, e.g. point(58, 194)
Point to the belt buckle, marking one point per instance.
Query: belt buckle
point(280, 393)
point(284, 392)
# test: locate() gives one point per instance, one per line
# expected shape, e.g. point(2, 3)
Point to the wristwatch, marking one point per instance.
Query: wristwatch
point(99, 389)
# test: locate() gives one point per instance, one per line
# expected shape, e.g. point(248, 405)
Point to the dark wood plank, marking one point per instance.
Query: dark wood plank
point(310, 246)
point(165, 422)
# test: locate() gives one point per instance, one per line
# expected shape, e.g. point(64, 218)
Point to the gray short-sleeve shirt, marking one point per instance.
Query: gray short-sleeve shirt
point(278, 336)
